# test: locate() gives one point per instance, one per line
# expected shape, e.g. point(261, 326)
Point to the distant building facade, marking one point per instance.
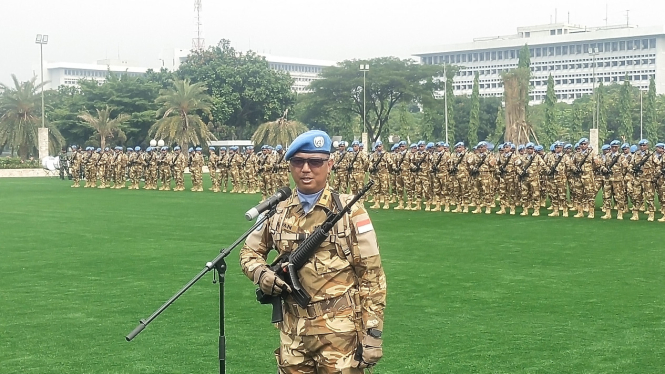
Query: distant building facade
point(573, 55)
point(69, 74)
point(303, 71)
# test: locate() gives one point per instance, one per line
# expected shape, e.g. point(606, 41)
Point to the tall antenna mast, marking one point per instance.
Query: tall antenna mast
point(198, 43)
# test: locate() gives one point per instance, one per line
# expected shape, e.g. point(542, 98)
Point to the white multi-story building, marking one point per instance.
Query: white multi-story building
point(303, 71)
point(68, 73)
point(573, 55)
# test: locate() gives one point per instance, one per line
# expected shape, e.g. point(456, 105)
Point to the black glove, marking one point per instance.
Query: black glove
point(269, 282)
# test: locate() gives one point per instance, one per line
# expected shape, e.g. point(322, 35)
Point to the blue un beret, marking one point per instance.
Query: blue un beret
point(625, 145)
point(633, 148)
point(538, 148)
point(198, 149)
point(278, 147)
point(313, 141)
point(211, 148)
point(459, 144)
point(643, 142)
point(615, 142)
point(605, 147)
point(429, 145)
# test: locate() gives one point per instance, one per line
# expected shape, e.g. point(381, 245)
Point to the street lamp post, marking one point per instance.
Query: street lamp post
point(364, 68)
point(593, 53)
point(41, 40)
point(42, 133)
point(641, 111)
point(445, 100)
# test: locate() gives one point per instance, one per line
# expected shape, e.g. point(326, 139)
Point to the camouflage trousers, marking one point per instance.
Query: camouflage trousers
point(356, 182)
point(197, 178)
point(392, 185)
point(483, 184)
point(381, 188)
point(223, 178)
point(279, 179)
point(119, 177)
point(409, 185)
point(439, 188)
point(614, 189)
point(165, 174)
point(340, 182)
point(585, 191)
point(249, 178)
point(91, 176)
point(530, 194)
point(399, 186)
point(101, 175)
point(643, 193)
point(179, 178)
point(135, 176)
point(317, 354)
point(264, 182)
point(460, 189)
point(507, 191)
point(557, 192)
point(75, 174)
point(660, 192)
point(151, 177)
point(213, 178)
point(234, 173)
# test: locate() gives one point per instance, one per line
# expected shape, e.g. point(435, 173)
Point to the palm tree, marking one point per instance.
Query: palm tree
point(20, 109)
point(104, 126)
point(281, 131)
point(179, 122)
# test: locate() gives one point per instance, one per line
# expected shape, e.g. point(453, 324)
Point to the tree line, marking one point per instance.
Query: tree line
point(221, 93)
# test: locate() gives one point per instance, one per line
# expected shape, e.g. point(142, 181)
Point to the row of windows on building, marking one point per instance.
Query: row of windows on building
point(98, 73)
point(75, 82)
point(296, 68)
point(537, 98)
point(568, 66)
point(559, 50)
point(564, 81)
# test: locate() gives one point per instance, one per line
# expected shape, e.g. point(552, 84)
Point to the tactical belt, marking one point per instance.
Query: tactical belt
point(320, 308)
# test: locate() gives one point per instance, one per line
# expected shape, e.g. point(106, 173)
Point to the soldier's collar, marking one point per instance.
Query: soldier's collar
point(325, 200)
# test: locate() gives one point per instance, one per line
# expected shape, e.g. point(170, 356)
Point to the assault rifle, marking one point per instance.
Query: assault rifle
point(556, 164)
point(578, 167)
point(502, 168)
point(455, 168)
point(375, 166)
point(418, 166)
point(275, 167)
point(608, 170)
point(435, 167)
point(637, 169)
point(336, 165)
point(349, 168)
point(525, 173)
point(286, 266)
point(476, 170)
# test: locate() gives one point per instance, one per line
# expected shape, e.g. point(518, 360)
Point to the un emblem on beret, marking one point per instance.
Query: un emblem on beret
point(318, 141)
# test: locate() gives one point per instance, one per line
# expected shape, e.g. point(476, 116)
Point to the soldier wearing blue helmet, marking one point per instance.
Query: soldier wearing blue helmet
point(555, 179)
point(439, 173)
point(150, 158)
point(213, 159)
point(339, 177)
point(280, 169)
point(529, 169)
point(356, 168)
point(264, 161)
point(121, 160)
point(614, 167)
point(419, 177)
point(659, 177)
point(379, 163)
point(135, 164)
point(645, 165)
point(196, 170)
point(234, 163)
point(459, 173)
point(164, 163)
point(583, 186)
point(480, 167)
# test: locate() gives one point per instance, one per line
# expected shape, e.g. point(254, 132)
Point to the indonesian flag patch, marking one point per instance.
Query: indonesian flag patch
point(364, 225)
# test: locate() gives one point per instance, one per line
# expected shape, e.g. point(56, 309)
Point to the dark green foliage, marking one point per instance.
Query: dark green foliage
point(625, 108)
point(474, 116)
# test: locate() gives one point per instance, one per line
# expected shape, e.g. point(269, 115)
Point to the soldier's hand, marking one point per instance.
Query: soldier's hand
point(269, 282)
point(369, 351)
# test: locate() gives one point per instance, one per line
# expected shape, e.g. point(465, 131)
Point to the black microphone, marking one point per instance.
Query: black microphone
point(282, 194)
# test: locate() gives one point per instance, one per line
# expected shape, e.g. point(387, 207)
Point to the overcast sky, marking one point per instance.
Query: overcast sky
point(84, 31)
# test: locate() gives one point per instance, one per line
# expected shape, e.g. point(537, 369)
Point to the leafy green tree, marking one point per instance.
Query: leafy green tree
point(21, 117)
point(317, 114)
point(550, 128)
point(474, 120)
point(499, 126)
point(180, 122)
point(390, 81)
point(650, 115)
point(281, 131)
point(105, 127)
point(625, 107)
point(524, 64)
point(450, 75)
point(245, 92)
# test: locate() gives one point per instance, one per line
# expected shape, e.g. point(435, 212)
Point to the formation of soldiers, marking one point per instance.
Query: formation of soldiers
point(432, 175)
point(510, 176)
point(232, 170)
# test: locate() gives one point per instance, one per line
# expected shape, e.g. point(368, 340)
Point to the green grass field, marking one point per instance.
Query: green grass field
point(466, 293)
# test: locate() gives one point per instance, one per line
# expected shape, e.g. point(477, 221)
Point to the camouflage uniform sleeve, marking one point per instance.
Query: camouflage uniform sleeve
point(368, 269)
point(254, 253)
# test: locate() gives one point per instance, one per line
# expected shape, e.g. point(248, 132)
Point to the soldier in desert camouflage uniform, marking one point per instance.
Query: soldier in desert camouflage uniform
point(196, 170)
point(120, 165)
point(344, 278)
point(614, 167)
point(223, 166)
point(164, 163)
point(280, 169)
point(460, 174)
point(482, 169)
point(530, 167)
point(401, 167)
point(583, 164)
point(379, 162)
point(212, 169)
point(356, 168)
point(341, 159)
point(439, 178)
point(644, 170)
point(235, 160)
point(556, 165)
point(264, 170)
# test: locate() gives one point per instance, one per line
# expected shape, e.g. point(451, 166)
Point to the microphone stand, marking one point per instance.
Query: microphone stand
point(219, 265)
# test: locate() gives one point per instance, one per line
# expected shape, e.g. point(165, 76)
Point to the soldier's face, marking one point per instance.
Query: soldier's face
point(626, 150)
point(310, 178)
point(584, 146)
point(356, 148)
